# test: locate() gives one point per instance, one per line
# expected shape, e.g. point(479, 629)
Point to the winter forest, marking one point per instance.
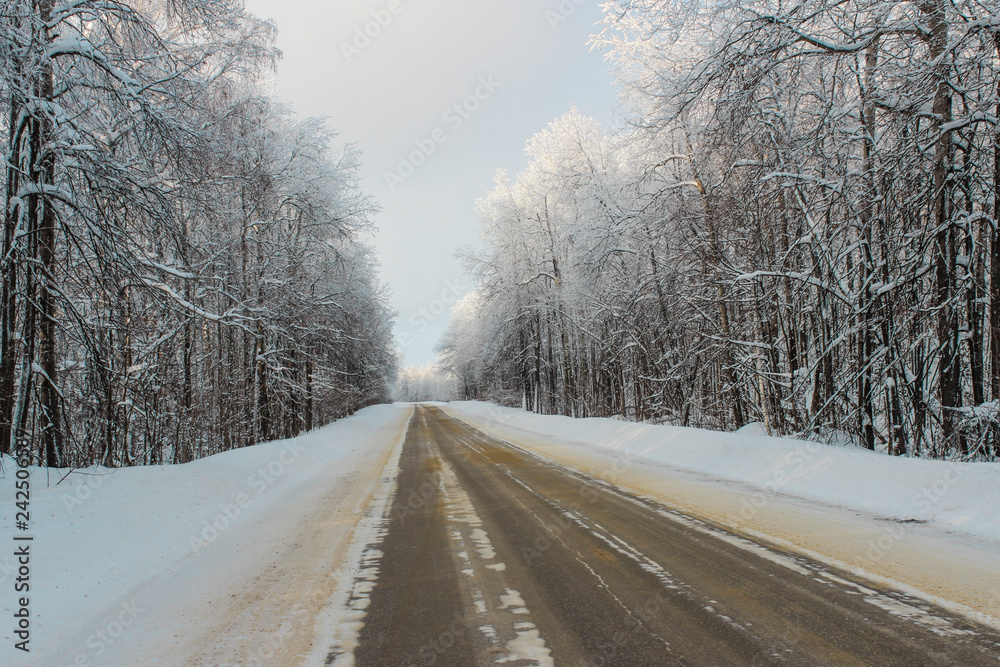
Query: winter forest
point(185, 265)
point(799, 226)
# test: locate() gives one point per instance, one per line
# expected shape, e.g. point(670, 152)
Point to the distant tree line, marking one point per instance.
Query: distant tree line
point(799, 227)
point(184, 266)
point(421, 384)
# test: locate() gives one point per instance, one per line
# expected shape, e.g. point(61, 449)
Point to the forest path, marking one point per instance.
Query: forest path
point(491, 554)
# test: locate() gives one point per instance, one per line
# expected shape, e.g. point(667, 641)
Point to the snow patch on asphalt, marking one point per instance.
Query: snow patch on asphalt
point(736, 541)
point(528, 645)
point(520, 641)
point(512, 600)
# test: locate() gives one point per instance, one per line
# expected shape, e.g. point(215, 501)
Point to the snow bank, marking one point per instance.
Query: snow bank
point(963, 497)
point(100, 533)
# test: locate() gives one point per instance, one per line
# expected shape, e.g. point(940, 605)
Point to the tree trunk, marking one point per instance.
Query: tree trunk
point(263, 402)
point(309, 395)
point(8, 291)
point(949, 371)
point(49, 395)
point(995, 258)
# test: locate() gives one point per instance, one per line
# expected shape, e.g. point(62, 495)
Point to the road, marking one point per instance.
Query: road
point(490, 555)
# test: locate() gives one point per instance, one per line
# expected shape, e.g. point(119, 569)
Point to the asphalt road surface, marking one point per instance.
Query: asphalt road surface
point(492, 555)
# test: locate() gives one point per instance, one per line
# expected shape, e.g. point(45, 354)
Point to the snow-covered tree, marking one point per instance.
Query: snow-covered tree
point(183, 267)
point(799, 227)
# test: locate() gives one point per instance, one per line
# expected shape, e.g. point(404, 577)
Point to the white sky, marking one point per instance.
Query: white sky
point(398, 90)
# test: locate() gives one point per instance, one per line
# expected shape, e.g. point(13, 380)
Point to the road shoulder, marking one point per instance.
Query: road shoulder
point(252, 593)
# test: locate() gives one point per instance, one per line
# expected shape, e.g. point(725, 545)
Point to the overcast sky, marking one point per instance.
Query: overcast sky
point(511, 66)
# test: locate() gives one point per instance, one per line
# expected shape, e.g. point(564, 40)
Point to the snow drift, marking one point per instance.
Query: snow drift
point(963, 497)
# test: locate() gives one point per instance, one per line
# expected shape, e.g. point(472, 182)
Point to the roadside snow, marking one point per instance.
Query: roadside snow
point(113, 550)
point(926, 528)
point(960, 496)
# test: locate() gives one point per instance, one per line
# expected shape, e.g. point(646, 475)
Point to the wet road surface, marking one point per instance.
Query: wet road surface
point(491, 555)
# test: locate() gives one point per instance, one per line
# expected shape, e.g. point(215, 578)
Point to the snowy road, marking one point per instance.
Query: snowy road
point(489, 554)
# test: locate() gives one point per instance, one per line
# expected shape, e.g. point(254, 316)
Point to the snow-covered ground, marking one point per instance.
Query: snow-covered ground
point(127, 562)
point(235, 559)
point(961, 496)
point(928, 527)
